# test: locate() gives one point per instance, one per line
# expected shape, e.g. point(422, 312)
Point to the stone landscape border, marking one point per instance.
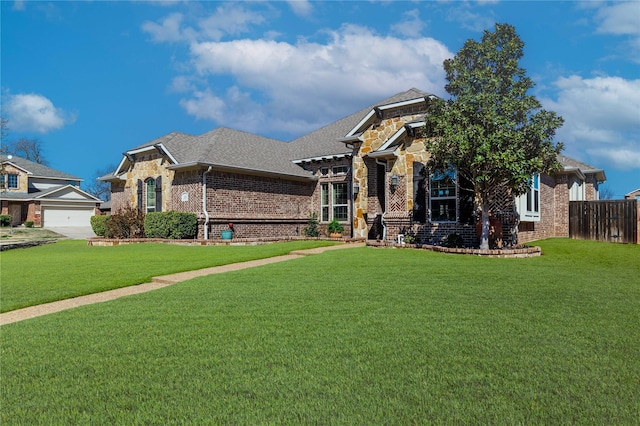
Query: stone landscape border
point(519, 252)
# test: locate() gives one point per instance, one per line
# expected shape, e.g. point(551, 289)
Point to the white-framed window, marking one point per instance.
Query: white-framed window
point(324, 202)
point(576, 192)
point(528, 204)
point(443, 195)
point(150, 188)
point(12, 181)
point(340, 201)
point(334, 202)
point(340, 170)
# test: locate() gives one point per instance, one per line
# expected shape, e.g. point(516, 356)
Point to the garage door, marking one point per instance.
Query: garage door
point(66, 216)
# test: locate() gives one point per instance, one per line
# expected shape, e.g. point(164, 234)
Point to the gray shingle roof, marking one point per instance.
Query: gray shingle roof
point(569, 163)
point(324, 141)
point(37, 170)
point(224, 147)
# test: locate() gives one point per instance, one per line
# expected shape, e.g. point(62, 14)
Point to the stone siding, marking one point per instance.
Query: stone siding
point(23, 179)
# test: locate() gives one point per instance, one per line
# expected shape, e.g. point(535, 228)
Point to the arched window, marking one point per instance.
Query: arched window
point(150, 189)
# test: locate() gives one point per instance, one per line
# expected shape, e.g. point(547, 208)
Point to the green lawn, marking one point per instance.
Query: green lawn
point(72, 268)
point(358, 336)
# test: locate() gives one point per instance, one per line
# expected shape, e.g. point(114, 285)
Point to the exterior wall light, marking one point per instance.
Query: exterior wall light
point(394, 181)
point(356, 188)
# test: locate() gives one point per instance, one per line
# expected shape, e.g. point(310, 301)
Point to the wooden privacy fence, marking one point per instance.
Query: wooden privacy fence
point(612, 220)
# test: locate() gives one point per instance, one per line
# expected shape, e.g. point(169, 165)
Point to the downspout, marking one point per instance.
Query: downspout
point(204, 202)
point(384, 226)
point(352, 196)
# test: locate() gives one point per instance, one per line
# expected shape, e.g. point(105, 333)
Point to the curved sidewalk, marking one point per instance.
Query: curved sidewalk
point(156, 283)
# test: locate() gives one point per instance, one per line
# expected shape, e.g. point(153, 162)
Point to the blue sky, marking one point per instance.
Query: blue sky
point(93, 79)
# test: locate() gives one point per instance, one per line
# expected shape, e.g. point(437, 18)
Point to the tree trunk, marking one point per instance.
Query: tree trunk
point(484, 238)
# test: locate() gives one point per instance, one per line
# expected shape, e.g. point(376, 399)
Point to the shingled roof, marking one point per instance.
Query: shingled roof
point(37, 170)
point(226, 148)
point(325, 141)
point(570, 164)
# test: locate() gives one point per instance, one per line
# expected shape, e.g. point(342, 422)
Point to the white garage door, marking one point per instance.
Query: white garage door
point(66, 216)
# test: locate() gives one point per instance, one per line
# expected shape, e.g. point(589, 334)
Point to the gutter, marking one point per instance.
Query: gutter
point(204, 202)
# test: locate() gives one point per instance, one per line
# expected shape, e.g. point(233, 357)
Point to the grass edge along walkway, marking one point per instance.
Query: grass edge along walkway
point(155, 284)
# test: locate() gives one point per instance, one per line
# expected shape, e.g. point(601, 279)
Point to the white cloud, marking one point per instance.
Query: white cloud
point(602, 119)
point(301, 7)
point(304, 81)
point(34, 113)
point(466, 15)
point(18, 5)
point(620, 18)
point(411, 25)
point(168, 30)
point(228, 19)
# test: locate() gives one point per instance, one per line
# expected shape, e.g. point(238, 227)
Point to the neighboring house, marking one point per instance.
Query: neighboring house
point(42, 195)
point(633, 195)
point(367, 170)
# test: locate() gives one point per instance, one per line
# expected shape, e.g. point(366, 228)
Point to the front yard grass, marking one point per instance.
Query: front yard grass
point(359, 336)
point(71, 268)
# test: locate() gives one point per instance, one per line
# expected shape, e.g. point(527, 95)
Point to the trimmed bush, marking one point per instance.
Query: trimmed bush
point(127, 223)
point(171, 225)
point(453, 240)
point(29, 224)
point(99, 225)
point(5, 219)
point(311, 230)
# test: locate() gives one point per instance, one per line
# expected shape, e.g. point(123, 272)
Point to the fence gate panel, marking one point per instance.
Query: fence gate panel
point(614, 221)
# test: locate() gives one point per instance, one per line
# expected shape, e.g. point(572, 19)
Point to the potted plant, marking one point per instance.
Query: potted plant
point(335, 229)
point(228, 234)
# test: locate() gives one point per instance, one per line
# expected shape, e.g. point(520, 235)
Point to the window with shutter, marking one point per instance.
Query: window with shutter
point(159, 194)
point(139, 195)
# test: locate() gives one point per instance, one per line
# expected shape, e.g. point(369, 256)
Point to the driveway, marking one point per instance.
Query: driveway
point(74, 232)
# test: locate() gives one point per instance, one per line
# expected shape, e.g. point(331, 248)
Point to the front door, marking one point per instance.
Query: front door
point(377, 230)
point(15, 210)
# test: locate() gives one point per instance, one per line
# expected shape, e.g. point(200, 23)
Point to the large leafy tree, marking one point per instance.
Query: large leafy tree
point(493, 132)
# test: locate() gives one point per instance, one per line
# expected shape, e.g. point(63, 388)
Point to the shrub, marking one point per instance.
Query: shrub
point(5, 219)
point(99, 225)
point(335, 227)
point(172, 225)
point(311, 230)
point(453, 240)
point(29, 224)
point(127, 223)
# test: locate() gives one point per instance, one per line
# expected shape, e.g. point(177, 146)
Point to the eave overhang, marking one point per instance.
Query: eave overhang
point(48, 194)
point(599, 173)
point(378, 112)
point(128, 156)
point(16, 166)
point(243, 170)
point(321, 158)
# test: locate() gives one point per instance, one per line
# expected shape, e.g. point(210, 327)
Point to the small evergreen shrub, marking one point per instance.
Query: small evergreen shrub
point(171, 225)
point(99, 225)
point(127, 223)
point(311, 230)
point(5, 219)
point(28, 224)
point(453, 240)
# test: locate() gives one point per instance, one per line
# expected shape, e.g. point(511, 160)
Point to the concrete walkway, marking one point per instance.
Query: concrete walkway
point(156, 283)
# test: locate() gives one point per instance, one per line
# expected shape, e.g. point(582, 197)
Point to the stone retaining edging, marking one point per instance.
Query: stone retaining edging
point(521, 252)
